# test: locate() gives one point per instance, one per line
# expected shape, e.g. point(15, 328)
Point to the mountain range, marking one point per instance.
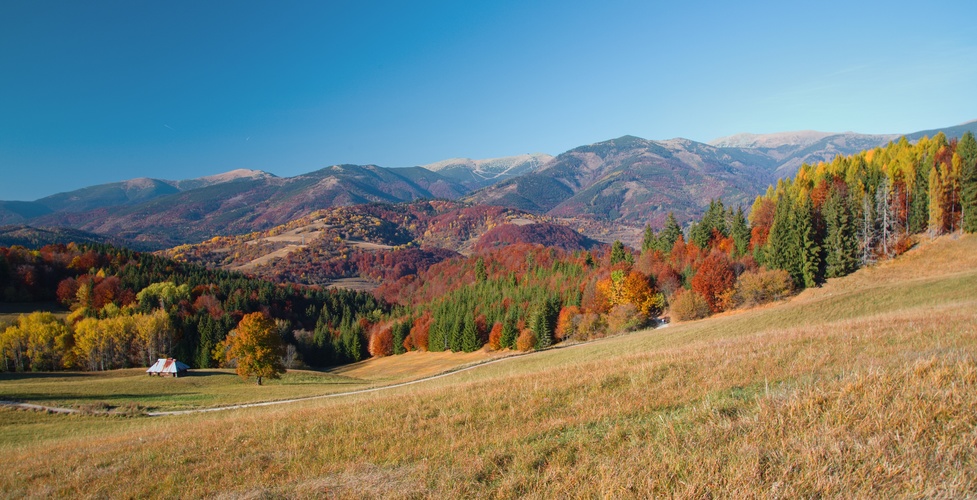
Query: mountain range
point(627, 181)
point(637, 181)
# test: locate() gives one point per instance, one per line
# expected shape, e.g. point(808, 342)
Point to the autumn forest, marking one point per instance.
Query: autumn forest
point(522, 286)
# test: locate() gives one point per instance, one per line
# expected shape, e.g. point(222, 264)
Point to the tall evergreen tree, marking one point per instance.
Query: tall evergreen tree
point(669, 234)
point(457, 327)
point(509, 332)
point(740, 231)
point(810, 249)
point(650, 240)
point(919, 202)
point(400, 332)
point(480, 273)
point(713, 222)
point(469, 335)
point(793, 244)
point(207, 328)
point(967, 149)
point(619, 254)
point(539, 323)
point(783, 250)
point(841, 242)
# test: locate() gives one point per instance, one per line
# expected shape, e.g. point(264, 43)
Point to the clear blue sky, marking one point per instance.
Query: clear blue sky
point(95, 92)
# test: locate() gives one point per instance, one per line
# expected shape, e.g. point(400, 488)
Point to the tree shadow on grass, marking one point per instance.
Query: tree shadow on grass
point(41, 375)
point(205, 373)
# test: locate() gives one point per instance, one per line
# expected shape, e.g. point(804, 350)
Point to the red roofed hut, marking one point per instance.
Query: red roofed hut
point(168, 367)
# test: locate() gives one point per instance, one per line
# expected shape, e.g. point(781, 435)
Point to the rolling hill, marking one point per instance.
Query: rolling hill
point(374, 242)
point(32, 237)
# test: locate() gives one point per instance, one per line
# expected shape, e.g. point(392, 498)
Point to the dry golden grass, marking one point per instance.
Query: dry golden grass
point(865, 388)
point(412, 365)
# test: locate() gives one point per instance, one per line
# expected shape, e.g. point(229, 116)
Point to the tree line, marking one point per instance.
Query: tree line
point(125, 308)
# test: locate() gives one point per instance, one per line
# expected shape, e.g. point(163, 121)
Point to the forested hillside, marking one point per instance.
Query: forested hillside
point(831, 220)
point(127, 308)
point(512, 291)
point(377, 241)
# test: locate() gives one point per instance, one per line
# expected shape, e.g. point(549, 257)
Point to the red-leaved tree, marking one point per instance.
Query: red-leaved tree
point(714, 280)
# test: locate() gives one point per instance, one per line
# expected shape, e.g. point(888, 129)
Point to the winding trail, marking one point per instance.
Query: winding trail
point(55, 409)
point(338, 394)
point(49, 409)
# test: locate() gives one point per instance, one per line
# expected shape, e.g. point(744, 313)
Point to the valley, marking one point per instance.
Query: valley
point(488, 250)
point(881, 363)
point(820, 343)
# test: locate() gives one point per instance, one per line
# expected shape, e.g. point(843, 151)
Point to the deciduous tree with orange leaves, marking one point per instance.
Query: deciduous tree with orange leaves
point(631, 288)
point(255, 346)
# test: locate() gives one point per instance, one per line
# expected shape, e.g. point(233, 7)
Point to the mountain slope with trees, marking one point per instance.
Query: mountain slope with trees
point(636, 181)
point(247, 204)
point(628, 180)
point(827, 222)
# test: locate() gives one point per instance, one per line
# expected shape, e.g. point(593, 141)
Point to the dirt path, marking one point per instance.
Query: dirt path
point(29, 406)
point(54, 409)
point(347, 393)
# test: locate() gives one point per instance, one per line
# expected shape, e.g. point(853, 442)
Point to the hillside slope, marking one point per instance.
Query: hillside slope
point(634, 180)
point(866, 387)
point(374, 241)
point(244, 204)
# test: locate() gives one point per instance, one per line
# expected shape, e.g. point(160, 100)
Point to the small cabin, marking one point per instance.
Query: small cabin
point(168, 367)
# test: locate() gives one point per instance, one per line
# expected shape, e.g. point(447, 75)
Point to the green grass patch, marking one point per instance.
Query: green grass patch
point(120, 389)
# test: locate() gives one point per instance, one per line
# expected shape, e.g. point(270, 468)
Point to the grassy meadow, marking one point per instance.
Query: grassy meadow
point(866, 387)
point(132, 391)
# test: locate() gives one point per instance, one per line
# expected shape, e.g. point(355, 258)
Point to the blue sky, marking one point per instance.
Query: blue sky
point(95, 92)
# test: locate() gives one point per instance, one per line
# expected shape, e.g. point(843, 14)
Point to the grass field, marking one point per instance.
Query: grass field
point(866, 387)
point(132, 391)
point(128, 388)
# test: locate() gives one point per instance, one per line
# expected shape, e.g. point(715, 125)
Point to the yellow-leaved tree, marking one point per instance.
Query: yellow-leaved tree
point(255, 347)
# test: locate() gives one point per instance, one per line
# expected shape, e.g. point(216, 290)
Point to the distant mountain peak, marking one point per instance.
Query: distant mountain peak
point(489, 164)
point(140, 183)
point(799, 138)
point(233, 175)
point(475, 174)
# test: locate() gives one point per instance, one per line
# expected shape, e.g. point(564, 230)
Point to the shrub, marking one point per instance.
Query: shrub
point(419, 334)
point(688, 305)
point(526, 340)
point(762, 286)
point(382, 343)
point(625, 318)
point(565, 325)
point(590, 326)
point(495, 337)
